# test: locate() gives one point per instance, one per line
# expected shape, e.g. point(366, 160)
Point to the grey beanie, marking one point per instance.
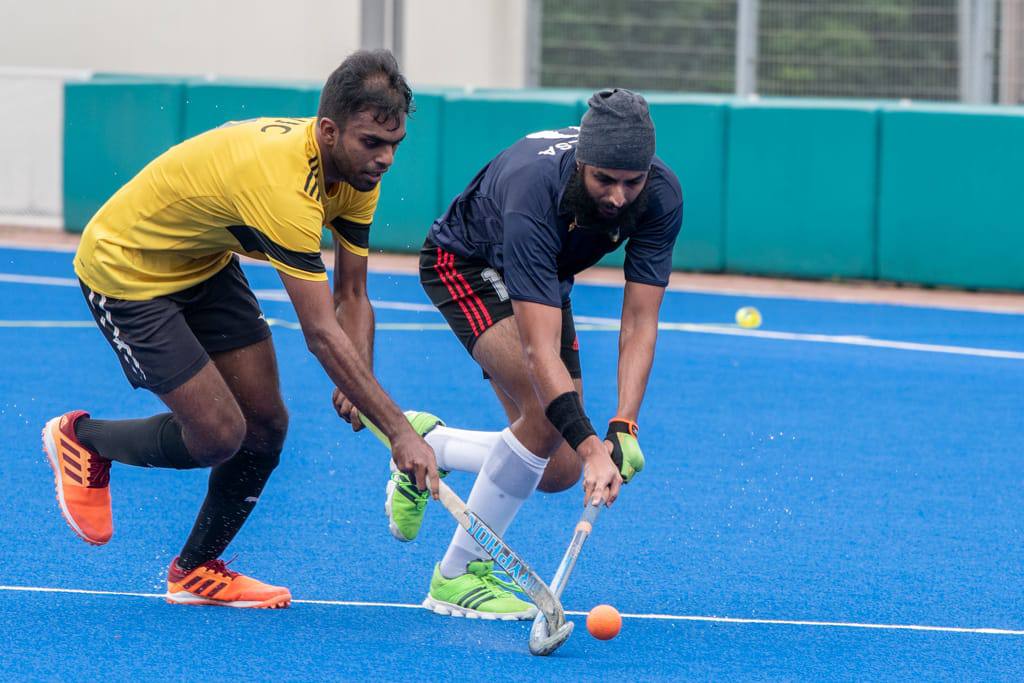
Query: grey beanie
point(617, 132)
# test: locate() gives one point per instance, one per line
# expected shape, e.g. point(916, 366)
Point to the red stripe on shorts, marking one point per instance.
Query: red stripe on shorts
point(476, 298)
point(442, 273)
point(473, 301)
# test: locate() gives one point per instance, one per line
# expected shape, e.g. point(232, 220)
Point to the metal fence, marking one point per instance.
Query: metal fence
point(1009, 59)
point(646, 45)
point(859, 49)
point(967, 50)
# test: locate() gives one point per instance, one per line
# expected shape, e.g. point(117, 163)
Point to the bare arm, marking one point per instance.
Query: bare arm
point(540, 329)
point(351, 302)
point(355, 316)
point(350, 373)
point(637, 337)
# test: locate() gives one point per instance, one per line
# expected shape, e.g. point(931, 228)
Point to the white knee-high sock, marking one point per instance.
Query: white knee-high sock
point(461, 449)
point(509, 476)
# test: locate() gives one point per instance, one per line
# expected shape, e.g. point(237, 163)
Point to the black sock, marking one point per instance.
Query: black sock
point(234, 488)
point(148, 442)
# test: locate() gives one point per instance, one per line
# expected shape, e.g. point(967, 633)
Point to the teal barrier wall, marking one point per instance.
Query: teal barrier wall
point(807, 188)
point(950, 196)
point(410, 191)
point(801, 189)
point(208, 105)
point(691, 135)
point(112, 128)
point(476, 127)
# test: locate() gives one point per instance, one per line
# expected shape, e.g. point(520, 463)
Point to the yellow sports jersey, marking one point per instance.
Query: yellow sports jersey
point(253, 187)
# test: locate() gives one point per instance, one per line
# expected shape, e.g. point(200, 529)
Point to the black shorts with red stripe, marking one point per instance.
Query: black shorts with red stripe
point(472, 297)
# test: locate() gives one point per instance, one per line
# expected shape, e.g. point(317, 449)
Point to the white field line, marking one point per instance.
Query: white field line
point(847, 340)
point(716, 290)
point(586, 323)
point(404, 327)
point(281, 295)
point(590, 324)
point(273, 322)
point(656, 617)
point(39, 280)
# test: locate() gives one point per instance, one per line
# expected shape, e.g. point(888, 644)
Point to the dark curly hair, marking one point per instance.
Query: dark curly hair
point(368, 80)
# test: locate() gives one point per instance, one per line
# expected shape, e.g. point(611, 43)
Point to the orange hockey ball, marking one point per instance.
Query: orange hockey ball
point(604, 622)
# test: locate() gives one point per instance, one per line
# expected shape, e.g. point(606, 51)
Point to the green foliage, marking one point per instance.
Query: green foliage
point(656, 45)
point(859, 48)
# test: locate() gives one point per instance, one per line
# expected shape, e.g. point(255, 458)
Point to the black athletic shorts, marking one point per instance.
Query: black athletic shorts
point(164, 342)
point(472, 297)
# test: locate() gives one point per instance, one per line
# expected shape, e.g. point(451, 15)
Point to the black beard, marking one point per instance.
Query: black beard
point(577, 200)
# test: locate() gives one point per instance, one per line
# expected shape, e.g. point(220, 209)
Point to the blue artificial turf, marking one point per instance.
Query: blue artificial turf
point(786, 480)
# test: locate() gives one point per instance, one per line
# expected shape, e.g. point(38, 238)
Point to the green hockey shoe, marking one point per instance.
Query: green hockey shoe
point(477, 594)
point(405, 504)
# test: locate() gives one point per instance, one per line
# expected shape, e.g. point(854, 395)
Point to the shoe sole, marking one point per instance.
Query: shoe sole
point(50, 448)
point(389, 491)
point(186, 598)
point(389, 495)
point(392, 527)
point(448, 609)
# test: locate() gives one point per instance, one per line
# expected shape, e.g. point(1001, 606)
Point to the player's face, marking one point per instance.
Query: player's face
point(612, 190)
point(365, 150)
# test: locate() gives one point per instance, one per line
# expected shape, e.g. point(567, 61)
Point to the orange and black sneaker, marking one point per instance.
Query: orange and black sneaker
point(82, 480)
point(212, 583)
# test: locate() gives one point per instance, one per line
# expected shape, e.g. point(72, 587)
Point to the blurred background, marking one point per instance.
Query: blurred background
point(856, 139)
point(957, 50)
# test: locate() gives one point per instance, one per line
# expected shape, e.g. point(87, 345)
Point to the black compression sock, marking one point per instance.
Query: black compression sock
point(148, 442)
point(234, 488)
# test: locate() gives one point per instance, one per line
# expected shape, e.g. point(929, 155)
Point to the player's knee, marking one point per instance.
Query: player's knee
point(219, 443)
point(266, 431)
point(562, 473)
point(556, 486)
point(540, 428)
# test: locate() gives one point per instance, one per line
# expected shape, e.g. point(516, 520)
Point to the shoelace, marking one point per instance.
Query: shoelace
point(221, 567)
point(406, 483)
point(497, 587)
point(99, 472)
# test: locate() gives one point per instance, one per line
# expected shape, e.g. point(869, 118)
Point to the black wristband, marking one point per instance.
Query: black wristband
point(566, 413)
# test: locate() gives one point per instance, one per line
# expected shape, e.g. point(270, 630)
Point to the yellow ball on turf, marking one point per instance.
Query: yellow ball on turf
point(748, 317)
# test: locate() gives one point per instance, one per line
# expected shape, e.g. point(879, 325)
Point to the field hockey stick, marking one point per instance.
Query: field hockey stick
point(541, 642)
point(504, 556)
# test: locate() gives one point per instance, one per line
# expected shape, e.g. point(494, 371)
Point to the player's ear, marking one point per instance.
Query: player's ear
point(329, 131)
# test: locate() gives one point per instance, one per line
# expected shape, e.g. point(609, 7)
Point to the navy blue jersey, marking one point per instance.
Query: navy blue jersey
point(509, 217)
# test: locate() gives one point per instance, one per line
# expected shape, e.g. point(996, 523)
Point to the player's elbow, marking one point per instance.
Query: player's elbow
point(350, 296)
point(318, 340)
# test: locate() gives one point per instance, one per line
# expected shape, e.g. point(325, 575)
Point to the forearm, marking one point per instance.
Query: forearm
point(548, 374)
point(350, 373)
point(355, 315)
point(551, 382)
point(540, 328)
point(636, 356)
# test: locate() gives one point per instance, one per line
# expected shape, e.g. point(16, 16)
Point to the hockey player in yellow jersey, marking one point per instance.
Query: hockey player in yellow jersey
point(158, 267)
point(254, 187)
